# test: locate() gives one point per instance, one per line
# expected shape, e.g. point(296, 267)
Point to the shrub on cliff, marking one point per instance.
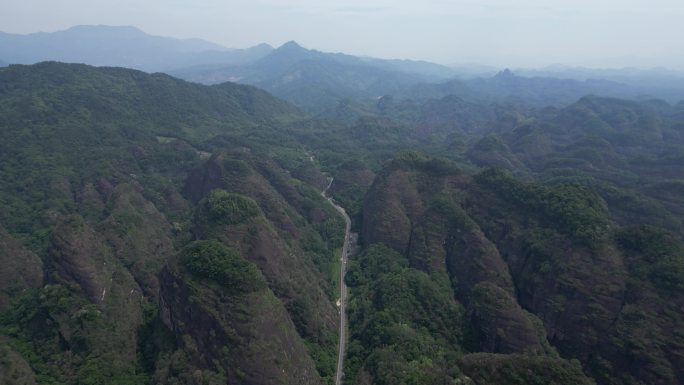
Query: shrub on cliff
point(213, 260)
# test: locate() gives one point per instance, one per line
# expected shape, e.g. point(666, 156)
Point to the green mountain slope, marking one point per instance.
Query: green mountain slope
point(535, 269)
point(317, 80)
point(65, 124)
point(154, 231)
point(103, 216)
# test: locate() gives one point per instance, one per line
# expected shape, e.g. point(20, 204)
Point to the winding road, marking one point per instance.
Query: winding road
point(346, 250)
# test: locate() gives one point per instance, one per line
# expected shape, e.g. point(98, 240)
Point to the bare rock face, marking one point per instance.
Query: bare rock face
point(241, 173)
point(415, 213)
point(249, 337)
point(288, 274)
point(597, 287)
point(389, 214)
point(472, 258)
point(139, 235)
point(20, 269)
point(268, 240)
point(204, 179)
point(132, 240)
point(80, 259)
point(14, 370)
point(502, 326)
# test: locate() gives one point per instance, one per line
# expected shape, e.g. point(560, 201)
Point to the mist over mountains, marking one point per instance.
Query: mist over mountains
point(120, 46)
point(318, 81)
point(175, 212)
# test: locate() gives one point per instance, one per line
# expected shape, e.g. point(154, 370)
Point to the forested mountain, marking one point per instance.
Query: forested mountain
point(139, 250)
point(575, 252)
point(155, 231)
point(120, 46)
point(537, 272)
point(540, 91)
point(318, 80)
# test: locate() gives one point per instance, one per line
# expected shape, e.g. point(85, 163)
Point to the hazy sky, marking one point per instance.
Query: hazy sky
point(498, 32)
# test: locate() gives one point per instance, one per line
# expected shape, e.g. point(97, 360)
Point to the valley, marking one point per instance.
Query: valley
point(335, 220)
point(347, 248)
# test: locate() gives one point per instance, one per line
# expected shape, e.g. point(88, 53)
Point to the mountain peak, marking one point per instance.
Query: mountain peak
point(291, 46)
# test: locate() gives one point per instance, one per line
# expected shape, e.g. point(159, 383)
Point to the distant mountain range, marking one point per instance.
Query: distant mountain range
point(309, 78)
point(120, 46)
point(536, 90)
point(319, 81)
point(665, 83)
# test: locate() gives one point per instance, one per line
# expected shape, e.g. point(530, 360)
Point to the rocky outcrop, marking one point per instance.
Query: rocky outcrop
point(417, 213)
point(275, 241)
point(249, 337)
point(288, 274)
point(586, 294)
point(14, 370)
point(500, 324)
point(393, 204)
point(20, 269)
point(139, 235)
point(472, 258)
point(79, 258)
point(237, 172)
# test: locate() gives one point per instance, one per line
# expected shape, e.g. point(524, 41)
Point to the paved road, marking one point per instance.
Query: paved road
point(346, 249)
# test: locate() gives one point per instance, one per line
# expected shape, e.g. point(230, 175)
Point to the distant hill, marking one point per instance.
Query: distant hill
point(541, 90)
point(666, 83)
point(120, 46)
point(311, 79)
point(318, 80)
point(537, 90)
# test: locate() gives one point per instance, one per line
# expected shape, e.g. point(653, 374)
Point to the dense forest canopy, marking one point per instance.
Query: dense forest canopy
point(511, 229)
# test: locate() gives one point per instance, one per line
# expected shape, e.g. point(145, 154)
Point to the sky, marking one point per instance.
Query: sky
point(502, 33)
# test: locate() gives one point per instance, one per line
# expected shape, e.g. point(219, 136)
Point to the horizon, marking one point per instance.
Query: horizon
point(534, 34)
point(485, 67)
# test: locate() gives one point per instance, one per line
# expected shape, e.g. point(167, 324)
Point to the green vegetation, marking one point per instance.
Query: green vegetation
point(184, 238)
point(213, 260)
point(522, 370)
point(230, 209)
point(52, 318)
point(65, 125)
point(655, 255)
point(405, 325)
point(573, 210)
